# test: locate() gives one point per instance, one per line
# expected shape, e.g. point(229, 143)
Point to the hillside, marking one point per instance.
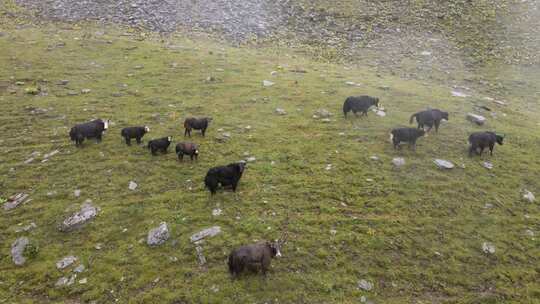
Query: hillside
point(415, 233)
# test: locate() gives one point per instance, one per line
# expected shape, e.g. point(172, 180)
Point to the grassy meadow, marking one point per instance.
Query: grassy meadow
point(415, 232)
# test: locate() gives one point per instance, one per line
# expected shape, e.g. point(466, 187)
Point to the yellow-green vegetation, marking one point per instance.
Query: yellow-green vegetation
point(414, 232)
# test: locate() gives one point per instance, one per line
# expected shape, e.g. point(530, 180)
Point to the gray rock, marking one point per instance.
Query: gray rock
point(64, 281)
point(528, 196)
point(15, 201)
point(487, 165)
point(365, 285)
point(380, 113)
point(17, 250)
point(477, 119)
point(529, 232)
point(132, 185)
point(280, 111)
point(78, 219)
point(200, 255)
point(28, 227)
point(251, 159)
point(85, 91)
point(488, 248)
point(374, 157)
point(159, 235)
point(459, 94)
point(83, 281)
point(217, 212)
point(398, 161)
point(79, 269)
point(66, 262)
point(322, 113)
point(268, 83)
point(77, 193)
point(443, 164)
point(212, 231)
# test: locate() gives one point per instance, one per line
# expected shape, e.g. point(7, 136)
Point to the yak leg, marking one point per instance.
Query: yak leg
point(128, 141)
point(491, 148)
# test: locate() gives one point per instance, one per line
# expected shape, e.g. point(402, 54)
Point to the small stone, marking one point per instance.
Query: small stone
point(487, 165)
point(425, 53)
point(444, 164)
point(72, 93)
point(17, 250)
point(459, 94)
point(323, 113)
point(212, 231)
point(79, 269)
point(351, 83)
point(326, 120)
point(273, 73)
point(365, 285)
point(159, 235)
point(85, 91)
point(77, 193)
point(132, 185)
point(374, 157)
point(83, 281)
point(477, 119)
point(488, 248)
point(200, 255)
point(226, 134)
point(15, 201)
point(380, 113)
point(63, 82)
point(217, 212)
point(98, 246)
point(268, 83)
point(65, 262)
point(398, 161)
point(251, 159)
point(280, 111)
point(31, 159)
point(333, 231)
point(529, 232)
point(26, 228)
point(63, 281)
point(328, 167)
point(528, 196)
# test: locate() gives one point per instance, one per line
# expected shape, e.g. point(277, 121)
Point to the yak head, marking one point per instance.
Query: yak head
point(169, 138)
point(444, 115)
point(146, 129)
point(275, 248)
point(106, 124)
point(241, 166)
point(499, 138)
point(376, 102)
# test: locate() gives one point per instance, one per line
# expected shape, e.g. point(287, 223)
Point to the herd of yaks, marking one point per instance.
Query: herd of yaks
point(255, 256)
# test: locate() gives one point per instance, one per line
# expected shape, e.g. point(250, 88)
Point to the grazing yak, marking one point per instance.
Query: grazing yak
point(187, 148)
point(408, 135)
point(160, 144)
point(359, 104)
point(252, 257)
point(134, 132)
point(92, 129)
point(225, 176)
point(482, 140)
point(430, 118)
point(197, 124)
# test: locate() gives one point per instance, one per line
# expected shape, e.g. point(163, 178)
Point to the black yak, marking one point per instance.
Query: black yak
point(430, 118)
point(359, 104)
point(187, 148)
point(160, 144)
point(408, 135)
point(225, 176)
point(252, 257)
point(92, 129)
point(482, 140)
point(134, 132)
point(197, 124)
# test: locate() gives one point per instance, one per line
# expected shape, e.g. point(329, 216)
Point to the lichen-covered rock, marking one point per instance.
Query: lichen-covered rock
point(17, 250)
point(78, 219)
point(159, 235)
point(212, 231)
point(66, 262)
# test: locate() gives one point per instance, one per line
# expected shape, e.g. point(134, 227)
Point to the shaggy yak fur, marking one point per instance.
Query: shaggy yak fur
point(408, 135)
point(252, 257)
point(160, 144)
point(429, 118)
point(225, 176)
point(92, 129)
point(359, 104)
point(187, 148)
point(197, 124)
point(134, 132)
point(482, 140)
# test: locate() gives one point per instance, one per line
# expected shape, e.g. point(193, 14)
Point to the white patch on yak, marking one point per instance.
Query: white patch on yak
point(196, 151)
point(106, 124)
point(391, 136)
point(169, 138)
point(146, 129)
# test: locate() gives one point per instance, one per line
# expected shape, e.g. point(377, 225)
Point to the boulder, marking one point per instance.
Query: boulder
point(159, 235)
point(17, 250)
point(477, 119)
point(443, 164)
point(212, 231)
point(78, 219)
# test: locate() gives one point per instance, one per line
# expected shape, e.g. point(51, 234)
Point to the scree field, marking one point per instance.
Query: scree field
point(414, 233)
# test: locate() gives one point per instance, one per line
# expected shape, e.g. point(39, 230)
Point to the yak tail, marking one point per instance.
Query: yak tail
point(412, 118)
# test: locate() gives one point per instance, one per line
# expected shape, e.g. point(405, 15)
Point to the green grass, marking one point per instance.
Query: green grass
point(415, 232)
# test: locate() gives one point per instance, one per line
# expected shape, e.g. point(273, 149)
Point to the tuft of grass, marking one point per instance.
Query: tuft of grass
point(415, 232)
